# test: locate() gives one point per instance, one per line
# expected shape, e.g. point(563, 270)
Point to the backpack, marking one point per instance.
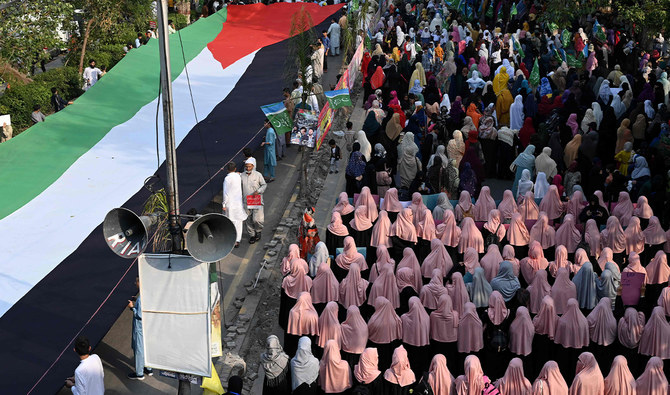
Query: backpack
point(584, 245)
point(498, 342)
point(422, 387)
point(470, 213)
point(490, 389)
point(492, 239)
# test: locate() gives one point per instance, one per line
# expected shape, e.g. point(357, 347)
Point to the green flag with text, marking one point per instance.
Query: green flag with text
point(278, 116)
point(338, 99)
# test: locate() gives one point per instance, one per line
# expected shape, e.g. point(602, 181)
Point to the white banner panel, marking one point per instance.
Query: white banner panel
point(176, 313)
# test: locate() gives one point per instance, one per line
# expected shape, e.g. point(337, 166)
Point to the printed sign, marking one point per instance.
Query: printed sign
point(304, 130)
point(254, 202)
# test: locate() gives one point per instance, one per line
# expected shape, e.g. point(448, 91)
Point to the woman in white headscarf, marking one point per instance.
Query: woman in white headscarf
point(649, 109)
point(475, 82)
point(525, 184)
point(441, 153)
point(366, 148)
point(400, 36)
point(618, 107)
point(483, 51)
point(604, 93)
point(589, 118)
point(516, 113)
point(407, 143)
point(445, 102)
point(437, 21)
point(541, 185)
point(304, 366)
point(508, 67)
point(597, 113)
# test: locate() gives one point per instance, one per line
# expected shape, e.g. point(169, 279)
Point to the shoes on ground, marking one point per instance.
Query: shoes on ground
point(134, 376)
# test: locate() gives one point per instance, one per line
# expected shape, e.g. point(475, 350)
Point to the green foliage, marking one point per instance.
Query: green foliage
point(179, 20)
point(645, 17)
point(564, 12)
point(157, 204)
point(66, 79)
point(300, 49)
point(20, 99)
point(107, 55)
point(19, 102)
point(27, 27)
point(648, 16)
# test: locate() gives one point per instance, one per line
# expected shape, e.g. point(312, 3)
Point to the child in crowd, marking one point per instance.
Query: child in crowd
point(335, 156)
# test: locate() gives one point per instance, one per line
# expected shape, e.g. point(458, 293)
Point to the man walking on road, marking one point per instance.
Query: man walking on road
point(233, 206)
point(253, 184)
point(334, 32)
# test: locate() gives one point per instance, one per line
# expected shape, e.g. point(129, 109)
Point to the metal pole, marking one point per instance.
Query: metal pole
point(170, 150)
point(168, 123)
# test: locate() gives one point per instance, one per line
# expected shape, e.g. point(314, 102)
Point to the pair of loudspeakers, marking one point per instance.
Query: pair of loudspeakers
point(210, 238)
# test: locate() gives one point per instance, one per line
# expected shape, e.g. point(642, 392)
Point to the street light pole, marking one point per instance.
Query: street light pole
point(168, 125)
point(170, 149)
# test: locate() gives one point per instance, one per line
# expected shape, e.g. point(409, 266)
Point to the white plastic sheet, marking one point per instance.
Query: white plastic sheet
point(176, 313)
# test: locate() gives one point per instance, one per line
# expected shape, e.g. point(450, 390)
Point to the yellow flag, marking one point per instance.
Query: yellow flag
point(212, 385)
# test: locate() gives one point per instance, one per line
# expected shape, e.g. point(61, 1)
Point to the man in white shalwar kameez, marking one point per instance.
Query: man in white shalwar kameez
point(233, 206)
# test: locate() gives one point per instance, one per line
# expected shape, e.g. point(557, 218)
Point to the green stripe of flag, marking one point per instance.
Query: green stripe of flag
point(36, 158)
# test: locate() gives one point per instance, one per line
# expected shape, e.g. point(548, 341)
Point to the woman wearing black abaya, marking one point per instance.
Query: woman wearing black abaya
point(394, 80)
point(458, 83)
point(607, 135)
point(496, 321)
point(472, 158)
point(431, 94)
point(371, 127)
point(488, 136)
point(389, 139)
point(444, 330)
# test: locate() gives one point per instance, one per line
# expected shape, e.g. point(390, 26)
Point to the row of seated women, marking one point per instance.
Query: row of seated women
point(349, 362)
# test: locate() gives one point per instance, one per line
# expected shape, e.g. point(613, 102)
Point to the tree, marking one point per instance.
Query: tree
point(100, 15)
point(29, 29)
point(111, 22)
point(646, 18)
point(564, 12)
point(300, 57)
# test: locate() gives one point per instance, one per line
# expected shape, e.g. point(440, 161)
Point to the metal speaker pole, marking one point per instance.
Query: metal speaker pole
point(125, 233)
point(211, 237)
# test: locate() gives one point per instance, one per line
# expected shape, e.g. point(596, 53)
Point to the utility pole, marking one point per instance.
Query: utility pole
point(168, 125)
point(170, 149)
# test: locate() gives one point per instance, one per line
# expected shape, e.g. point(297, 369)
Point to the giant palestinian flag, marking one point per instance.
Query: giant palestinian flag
point(58, 179)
